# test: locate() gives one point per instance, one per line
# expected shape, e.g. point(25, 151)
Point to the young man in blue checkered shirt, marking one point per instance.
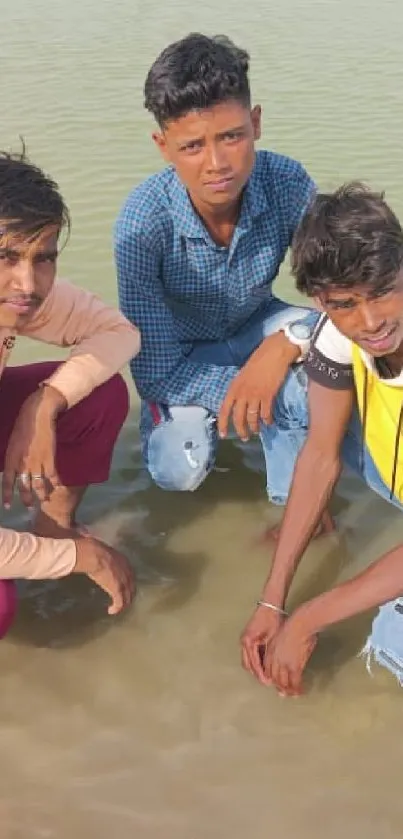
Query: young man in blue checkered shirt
point(198, 247)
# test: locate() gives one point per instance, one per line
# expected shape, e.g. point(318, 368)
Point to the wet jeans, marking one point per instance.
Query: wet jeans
point(385, 641)
point(180, 442)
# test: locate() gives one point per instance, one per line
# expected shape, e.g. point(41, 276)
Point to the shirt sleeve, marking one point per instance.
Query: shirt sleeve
point(301, 190)
point(102, 340)
point(25, 556)
point(161, 371)
point(330, 361)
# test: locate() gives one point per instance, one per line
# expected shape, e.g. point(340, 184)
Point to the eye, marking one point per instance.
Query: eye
point(341, 304)
point(232, 136)
point(8, 256)
point(192, 147)
point(43, 258)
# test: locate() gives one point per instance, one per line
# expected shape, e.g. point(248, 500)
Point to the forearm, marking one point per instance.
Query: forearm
point(25, 556)
point(381, 582)
point(314, 480)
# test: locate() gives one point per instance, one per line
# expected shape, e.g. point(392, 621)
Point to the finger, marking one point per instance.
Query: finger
point(40, 487)
point(256, 656)
point(295, 682)
point(25, 489)
point(118, 602)
point(126, 591)
point(266, 410)
point(239, 419)
point(245, 659)
point(7, 487)
point(282, 681)
point(224, 415)
point(253, 416)
point(52, 475)
point(274, 672)
point(129, 589)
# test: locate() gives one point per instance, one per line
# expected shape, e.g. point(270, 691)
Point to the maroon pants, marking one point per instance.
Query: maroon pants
point(85, 438)
point(85, 434)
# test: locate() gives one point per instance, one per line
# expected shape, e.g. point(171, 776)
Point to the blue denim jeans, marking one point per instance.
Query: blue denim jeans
point(180, 448)
point(385, 641)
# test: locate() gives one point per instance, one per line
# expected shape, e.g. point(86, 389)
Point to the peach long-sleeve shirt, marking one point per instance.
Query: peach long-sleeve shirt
point(102, 341)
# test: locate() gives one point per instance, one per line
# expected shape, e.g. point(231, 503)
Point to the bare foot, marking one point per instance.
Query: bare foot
point(325, 526)
point(43, 525)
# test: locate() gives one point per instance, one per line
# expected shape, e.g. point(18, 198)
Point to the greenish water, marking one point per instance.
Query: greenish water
point(147, 725)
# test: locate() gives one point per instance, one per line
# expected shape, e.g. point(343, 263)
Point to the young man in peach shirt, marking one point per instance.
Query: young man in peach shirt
point(59, 421)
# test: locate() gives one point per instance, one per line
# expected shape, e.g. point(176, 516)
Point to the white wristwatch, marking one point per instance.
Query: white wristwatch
point(300, 334)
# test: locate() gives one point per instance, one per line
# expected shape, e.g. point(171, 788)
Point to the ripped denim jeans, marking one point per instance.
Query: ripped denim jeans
point(384, 644)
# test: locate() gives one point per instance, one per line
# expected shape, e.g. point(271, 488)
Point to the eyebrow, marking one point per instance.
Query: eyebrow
point(232, 130)
point(13, 254)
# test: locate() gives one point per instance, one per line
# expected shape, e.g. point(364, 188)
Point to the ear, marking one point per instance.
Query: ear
point(256, 117)
point(161, 143)
point(318, 303)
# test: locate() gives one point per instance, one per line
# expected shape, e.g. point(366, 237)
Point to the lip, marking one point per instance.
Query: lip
point(382, 343)
point(220, 184)
point(20, 306)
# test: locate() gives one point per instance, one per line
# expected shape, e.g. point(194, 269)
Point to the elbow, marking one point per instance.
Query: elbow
point(130, 341)
point(136, 341)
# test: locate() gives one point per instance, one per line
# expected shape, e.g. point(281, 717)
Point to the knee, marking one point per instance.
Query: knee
point(177, 462)
point(115, 399)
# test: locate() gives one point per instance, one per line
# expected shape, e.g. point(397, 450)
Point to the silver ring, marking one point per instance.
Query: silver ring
point(24, 477)
point(37, 477)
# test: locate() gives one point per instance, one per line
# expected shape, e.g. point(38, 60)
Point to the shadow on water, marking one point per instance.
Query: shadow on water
point(138, 518)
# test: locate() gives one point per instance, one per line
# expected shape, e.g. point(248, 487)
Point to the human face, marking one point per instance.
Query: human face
point(213, 152)
point(27, 273)
point(372, 319)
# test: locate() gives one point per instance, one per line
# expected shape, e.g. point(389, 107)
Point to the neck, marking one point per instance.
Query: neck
point(219, 221)
point(394, 361)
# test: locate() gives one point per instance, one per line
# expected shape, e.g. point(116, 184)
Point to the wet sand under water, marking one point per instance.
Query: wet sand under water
point(148, 724)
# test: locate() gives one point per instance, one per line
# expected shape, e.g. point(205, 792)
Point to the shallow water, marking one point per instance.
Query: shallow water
point(146, 724)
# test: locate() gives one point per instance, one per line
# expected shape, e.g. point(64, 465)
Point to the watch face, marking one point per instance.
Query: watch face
point(300, 331)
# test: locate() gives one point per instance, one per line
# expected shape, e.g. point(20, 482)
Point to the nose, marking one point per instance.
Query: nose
point(217, 161)
point(23, 280)
point(370, 320)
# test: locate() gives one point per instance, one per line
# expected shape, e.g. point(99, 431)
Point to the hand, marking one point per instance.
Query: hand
point(109, 569)
point(287, 655)
point(251, 394)
point(31, 448)
point(258, 633)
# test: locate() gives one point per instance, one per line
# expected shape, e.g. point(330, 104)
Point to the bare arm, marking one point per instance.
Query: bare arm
point(316, 473)
point(381, 582)
point(317, 470)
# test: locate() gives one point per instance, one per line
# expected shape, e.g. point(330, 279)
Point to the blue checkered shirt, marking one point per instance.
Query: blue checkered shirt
point(178, 286)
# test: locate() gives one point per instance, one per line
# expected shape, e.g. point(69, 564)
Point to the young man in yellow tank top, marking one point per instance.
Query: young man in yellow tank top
point(348, 256)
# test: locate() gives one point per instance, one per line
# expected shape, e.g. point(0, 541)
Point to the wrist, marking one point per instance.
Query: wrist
point(307, 618)
point(290, 351)
point(85, 555)
point(50, 401)
point(275, 596)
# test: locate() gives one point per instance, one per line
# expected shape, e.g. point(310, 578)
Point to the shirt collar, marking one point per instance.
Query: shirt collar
point(254, 204)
